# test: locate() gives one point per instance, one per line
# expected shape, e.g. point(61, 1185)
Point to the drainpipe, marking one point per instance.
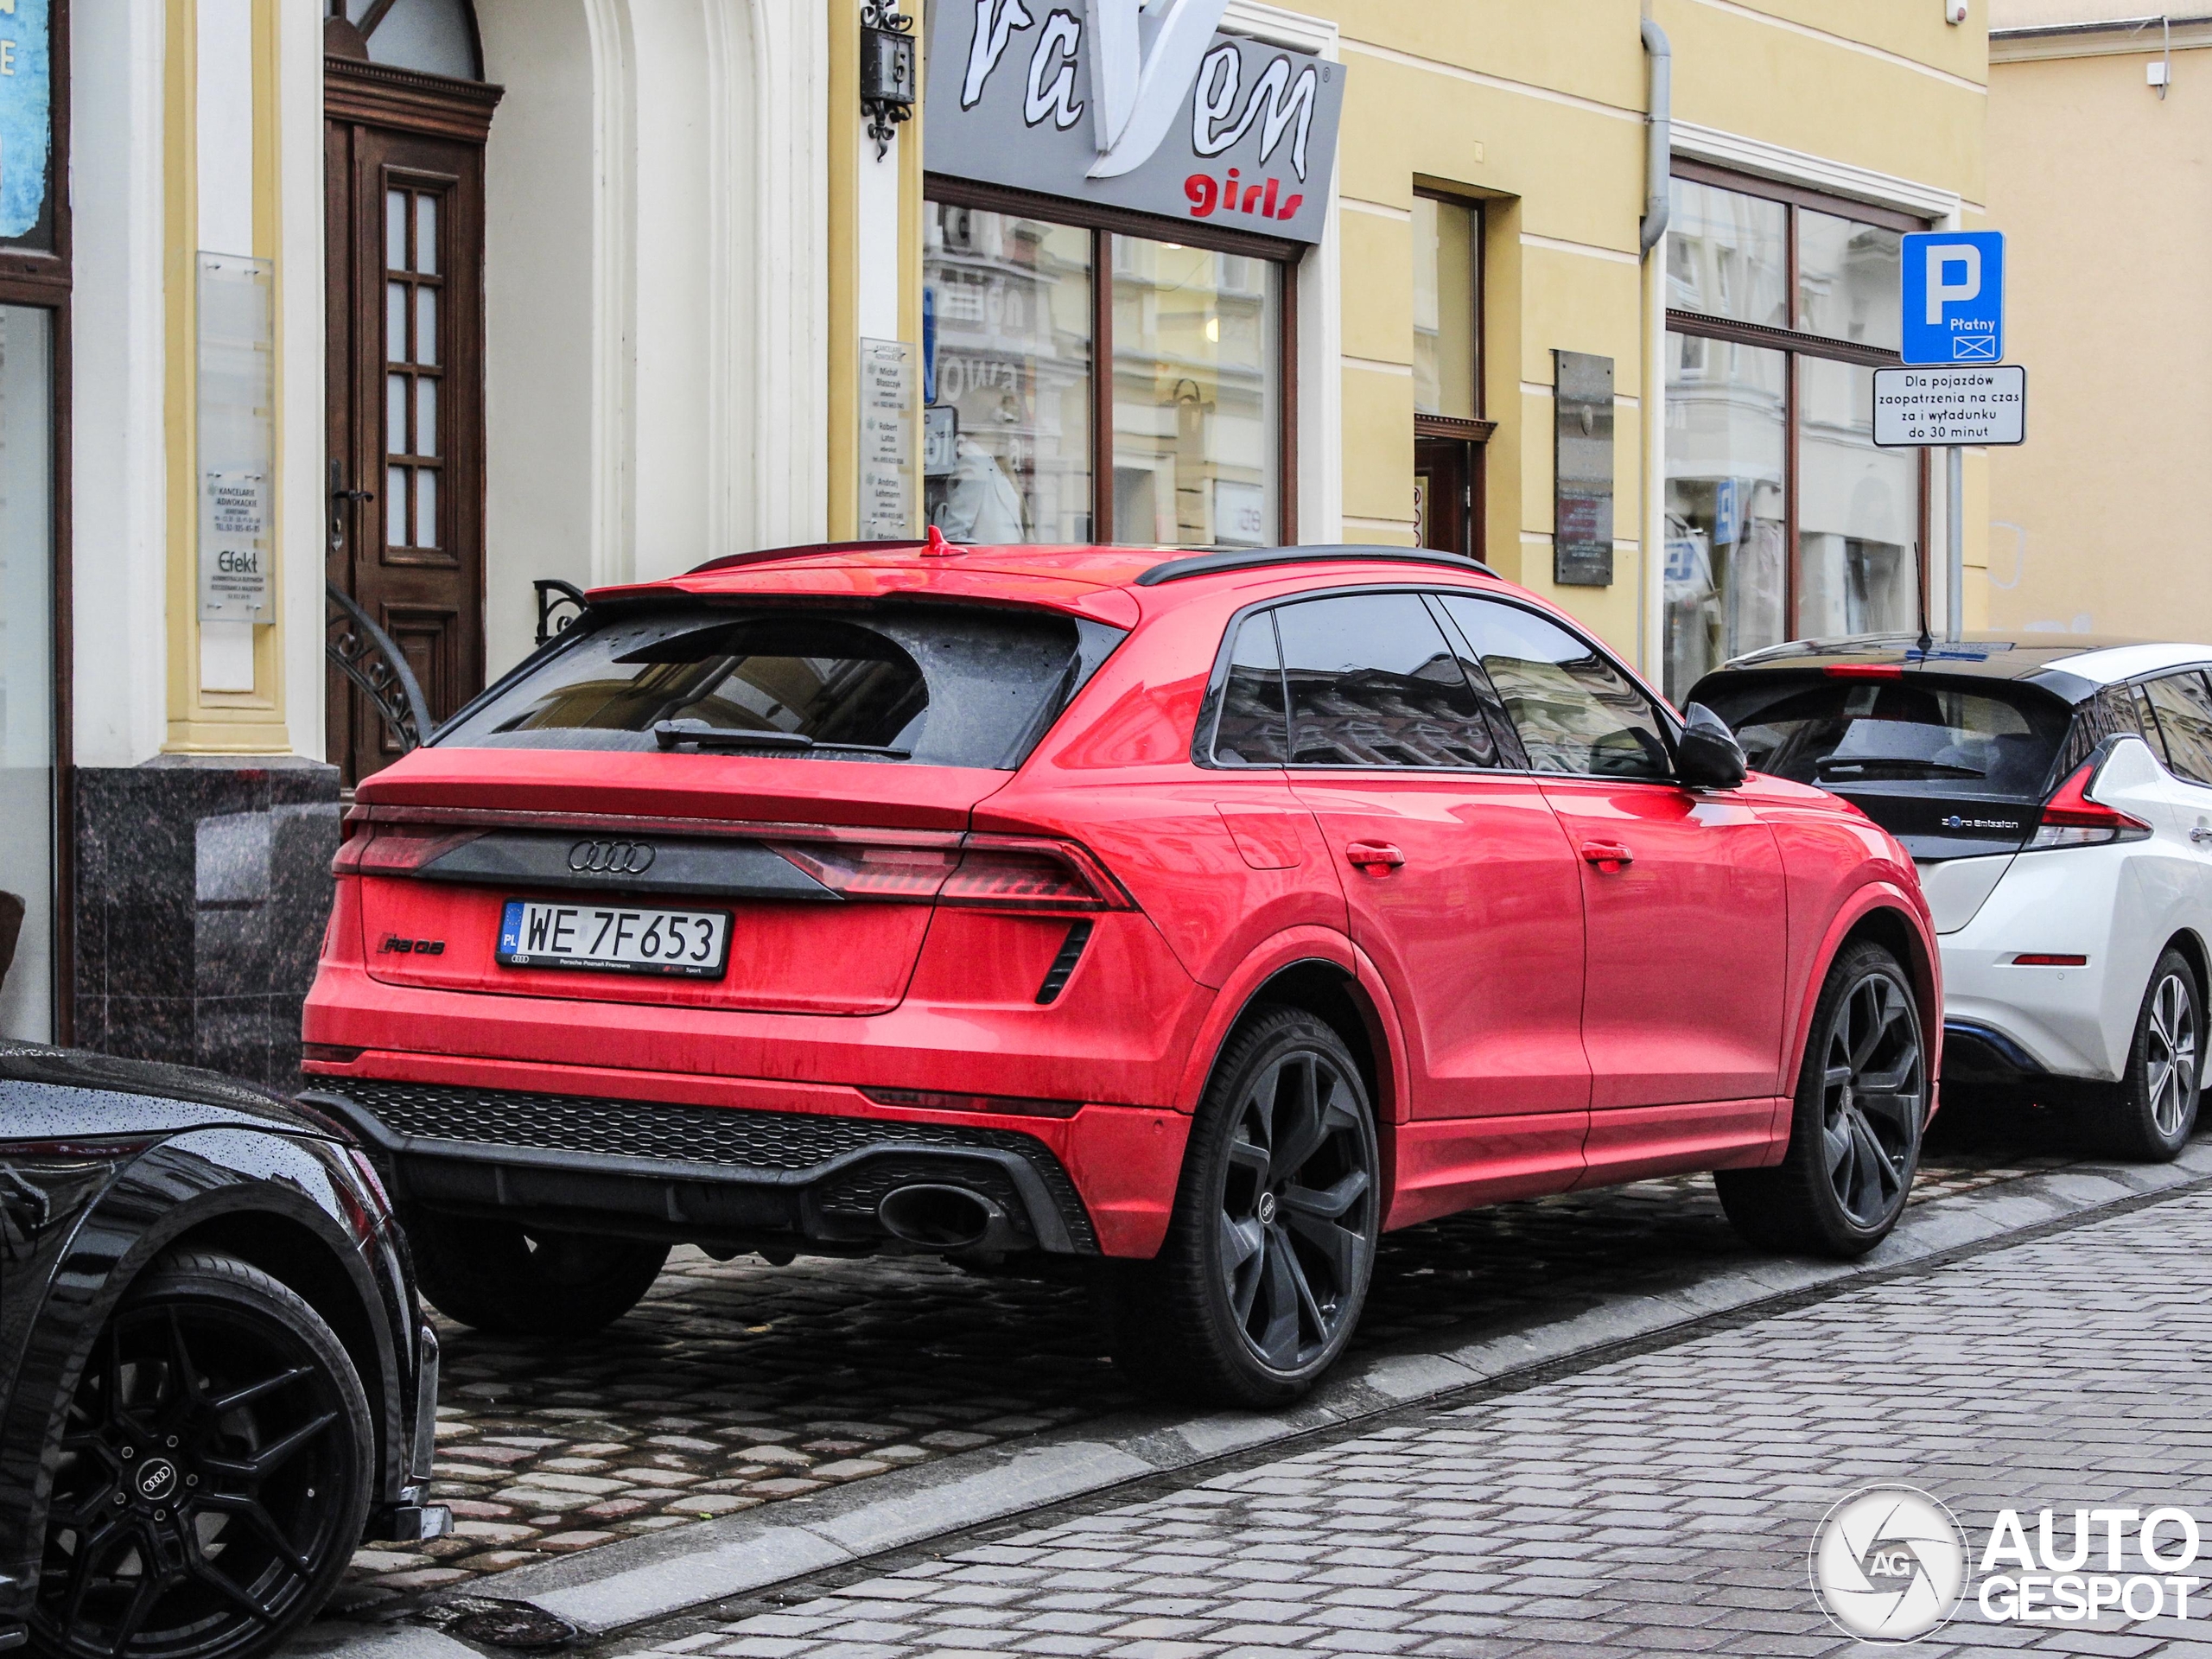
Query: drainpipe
point(1658, 140)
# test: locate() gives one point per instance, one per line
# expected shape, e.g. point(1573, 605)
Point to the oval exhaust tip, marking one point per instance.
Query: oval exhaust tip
point(936, 1218)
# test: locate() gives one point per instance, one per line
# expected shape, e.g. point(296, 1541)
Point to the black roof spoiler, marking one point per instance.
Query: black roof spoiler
point(1250, 558)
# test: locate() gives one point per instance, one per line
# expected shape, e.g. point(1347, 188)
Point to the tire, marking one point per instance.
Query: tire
point(2149, 1114)
point(1281, 1193)
point(1854, 1132)
point(214, 1475)
point(503, 1279)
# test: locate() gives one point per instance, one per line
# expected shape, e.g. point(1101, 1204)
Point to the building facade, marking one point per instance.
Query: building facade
point(2100, 134)
point(410, 311)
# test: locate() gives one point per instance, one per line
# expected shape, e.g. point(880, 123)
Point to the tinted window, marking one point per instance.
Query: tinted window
point(1576, 711)
point(1896, 733)
point(2184, 707)
point(1373, 683)
point(948, 686)
point(1252, 729)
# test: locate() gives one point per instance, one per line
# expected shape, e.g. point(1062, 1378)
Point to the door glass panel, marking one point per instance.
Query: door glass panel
point(1857, 510)
point(394, 322)
point(1252, 729)
point(1196, 391)
point(426, 325)
point(1373, 683)
point(2185, 710)
point(1575, 710)
point(1007, 351)
point(395, 414)
point(426, 235)
point(1726, 554)
point(1847, 278)
point(426, 507)
point(395, 505)
point(27, 666)
point(1447, 305)
point(426, 416)
point(395, 230)
point(1727, 255)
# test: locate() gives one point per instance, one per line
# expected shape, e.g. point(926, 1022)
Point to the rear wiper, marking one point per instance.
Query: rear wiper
point(673, 734)
point(1899, 767)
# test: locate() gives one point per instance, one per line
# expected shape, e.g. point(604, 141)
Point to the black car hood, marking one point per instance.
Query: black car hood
point(47, 1093)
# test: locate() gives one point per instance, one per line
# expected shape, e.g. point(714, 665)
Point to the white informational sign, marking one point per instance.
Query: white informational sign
point(1963, 405)
point(886, 441)
point(236, 420)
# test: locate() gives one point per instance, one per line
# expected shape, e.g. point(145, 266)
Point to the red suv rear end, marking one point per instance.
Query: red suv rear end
point(908, 897)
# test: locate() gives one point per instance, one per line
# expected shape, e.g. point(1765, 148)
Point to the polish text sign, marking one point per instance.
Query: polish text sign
point(1961, 405)
point(1953, 288)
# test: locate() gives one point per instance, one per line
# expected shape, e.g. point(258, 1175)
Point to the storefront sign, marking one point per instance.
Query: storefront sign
point(234, 550)
point(25, 115)
point(1582, 458)
point(1944, 406)
point(887, 439)
point(1152, 110)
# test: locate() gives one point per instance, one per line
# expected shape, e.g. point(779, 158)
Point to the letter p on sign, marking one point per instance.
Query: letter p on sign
point(1953, 298)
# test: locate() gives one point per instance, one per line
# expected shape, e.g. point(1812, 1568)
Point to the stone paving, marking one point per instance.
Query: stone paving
point(1663, 1502)
point(738, 1384)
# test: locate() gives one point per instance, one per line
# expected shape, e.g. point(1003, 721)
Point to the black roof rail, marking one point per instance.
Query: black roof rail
point(1246, 558)
point(730, 560)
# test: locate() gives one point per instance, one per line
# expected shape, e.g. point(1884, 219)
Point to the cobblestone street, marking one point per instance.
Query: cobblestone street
point(738, 1384)
point(1657, 1503)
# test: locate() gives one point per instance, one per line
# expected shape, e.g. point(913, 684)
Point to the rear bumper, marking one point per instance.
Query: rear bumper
point(754, 1179)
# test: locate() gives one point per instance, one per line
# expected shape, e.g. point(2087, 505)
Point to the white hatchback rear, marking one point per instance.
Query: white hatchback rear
point(2056, 795)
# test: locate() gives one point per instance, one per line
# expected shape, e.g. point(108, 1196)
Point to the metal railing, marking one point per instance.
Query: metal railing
point(364, 654)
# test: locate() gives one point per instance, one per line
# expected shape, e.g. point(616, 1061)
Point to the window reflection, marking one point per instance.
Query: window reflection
point(1009, 299)
point(1858, 509)
point(1728, 254)
point(1727, 546)
point(1848, 279)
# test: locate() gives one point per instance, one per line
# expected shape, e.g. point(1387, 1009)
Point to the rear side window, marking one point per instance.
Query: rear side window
point(1254, 728)
point(2183, 708)
point(1373, 683)
point(1902, 734)
point(1574, 710)
point(938, 685)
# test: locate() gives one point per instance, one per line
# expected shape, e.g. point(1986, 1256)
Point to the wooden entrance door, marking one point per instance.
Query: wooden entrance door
point(405, 205)
point(1444, 493)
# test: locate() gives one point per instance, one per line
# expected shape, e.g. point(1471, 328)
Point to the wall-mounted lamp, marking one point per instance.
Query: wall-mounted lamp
point(887, 70)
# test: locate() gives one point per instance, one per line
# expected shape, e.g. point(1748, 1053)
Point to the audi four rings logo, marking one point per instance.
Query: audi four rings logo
point(611, 857)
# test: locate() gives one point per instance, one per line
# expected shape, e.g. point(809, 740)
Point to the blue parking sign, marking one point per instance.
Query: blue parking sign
point(1954, 295)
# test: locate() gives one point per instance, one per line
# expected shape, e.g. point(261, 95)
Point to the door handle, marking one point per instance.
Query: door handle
point(1610, 858)
point(1376, 857)
point(341, 499)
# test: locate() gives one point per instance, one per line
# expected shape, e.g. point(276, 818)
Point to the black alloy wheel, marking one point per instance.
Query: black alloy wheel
point(213, 1473)
point(512, 1281)
point(1855, 1133)
point(2152, 1113)
point(1269, 1253)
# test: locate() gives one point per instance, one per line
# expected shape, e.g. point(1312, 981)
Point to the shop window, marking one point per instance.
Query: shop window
point(1783, 520)
point(27, 677)
point(1182, 443)
point(1449, 431)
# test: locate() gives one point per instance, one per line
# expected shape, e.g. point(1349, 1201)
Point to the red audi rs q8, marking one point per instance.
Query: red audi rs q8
point(1186, 918)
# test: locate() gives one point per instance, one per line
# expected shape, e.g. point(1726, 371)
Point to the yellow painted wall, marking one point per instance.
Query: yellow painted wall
point(2100, 187)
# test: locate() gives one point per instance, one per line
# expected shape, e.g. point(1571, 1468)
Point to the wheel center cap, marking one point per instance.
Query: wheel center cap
point(1267, 1208)
point(156, 1479)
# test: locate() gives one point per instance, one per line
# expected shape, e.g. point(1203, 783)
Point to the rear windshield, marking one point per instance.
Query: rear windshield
point(1898, 736)
point(935, 685)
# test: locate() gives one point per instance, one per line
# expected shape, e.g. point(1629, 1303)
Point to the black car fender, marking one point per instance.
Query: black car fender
point(253, 1193)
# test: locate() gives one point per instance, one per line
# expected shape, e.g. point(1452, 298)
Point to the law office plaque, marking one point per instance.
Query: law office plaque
point(886, 441)
point(1582, 462)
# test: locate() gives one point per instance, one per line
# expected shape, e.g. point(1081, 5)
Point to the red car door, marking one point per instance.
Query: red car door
point(1462, 890)
point(1683, 905)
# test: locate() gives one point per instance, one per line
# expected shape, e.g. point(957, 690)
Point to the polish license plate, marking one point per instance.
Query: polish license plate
point(611, 940)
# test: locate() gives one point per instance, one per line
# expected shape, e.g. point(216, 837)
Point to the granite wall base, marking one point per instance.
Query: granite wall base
point(202, 888)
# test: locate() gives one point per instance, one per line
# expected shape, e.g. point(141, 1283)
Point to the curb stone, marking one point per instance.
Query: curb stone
point(650, 1578)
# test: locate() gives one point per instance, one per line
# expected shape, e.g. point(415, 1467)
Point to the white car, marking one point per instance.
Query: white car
point(2056, 793)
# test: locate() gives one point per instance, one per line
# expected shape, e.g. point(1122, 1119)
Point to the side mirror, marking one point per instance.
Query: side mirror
point(1707, 755)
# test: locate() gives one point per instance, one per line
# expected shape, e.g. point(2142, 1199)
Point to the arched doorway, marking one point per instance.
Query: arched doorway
point(407, 113)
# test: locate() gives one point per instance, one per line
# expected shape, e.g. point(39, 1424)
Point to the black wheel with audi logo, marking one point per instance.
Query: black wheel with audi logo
point(213, 1473)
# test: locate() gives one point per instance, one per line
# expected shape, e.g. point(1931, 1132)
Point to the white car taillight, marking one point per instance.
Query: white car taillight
point(2070, 818)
